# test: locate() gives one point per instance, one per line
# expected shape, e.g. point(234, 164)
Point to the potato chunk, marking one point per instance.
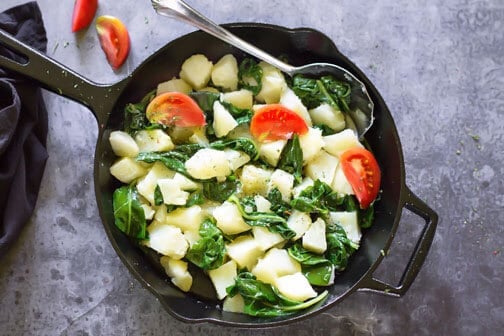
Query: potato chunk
point(153, 141)
point(229, 219)
point(311, 143)
point(245, 251)
point(174, 85)
point(336, 144)
point(167, 240)
point(322, 167)
point(223, 122)
point(242, 98)
point(275, 263)
point(325, 114)
point(255, 180)
point(127, 169)
point(207, 163)
point(314, 238)
point(147, 185)
point(223, 277)
point(299, 222)
point(123, 144)
point(225, 72)
point(177, 271)
point(273, 84)
point(295, 287)
point(196, 70)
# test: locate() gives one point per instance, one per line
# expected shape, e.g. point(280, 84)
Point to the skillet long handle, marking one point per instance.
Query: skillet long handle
point(417, 206)
point(57, 78)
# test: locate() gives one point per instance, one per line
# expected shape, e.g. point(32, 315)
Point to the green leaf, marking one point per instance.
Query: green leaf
point(316, 268)
point(158, 196)
point(220, 191)
point(291, 158)
point(205, 100)
point(242, 116)
point(246, 145)
point(209, 251)
point(134, 114)
point(318, 198)
point(339, 247)
point(250, 76)
point(314, 92)
point(278, 205)
point(129, 215)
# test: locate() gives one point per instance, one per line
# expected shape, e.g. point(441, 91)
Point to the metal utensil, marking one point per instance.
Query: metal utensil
point(361, 105)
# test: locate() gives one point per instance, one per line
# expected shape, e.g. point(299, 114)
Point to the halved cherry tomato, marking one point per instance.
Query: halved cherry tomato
point(175, 109)
point(276, 122)
point(114, 39)
point(83, 14)
point(362, 171)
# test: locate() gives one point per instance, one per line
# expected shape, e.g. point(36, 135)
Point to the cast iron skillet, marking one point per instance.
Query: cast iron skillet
point(301, 46)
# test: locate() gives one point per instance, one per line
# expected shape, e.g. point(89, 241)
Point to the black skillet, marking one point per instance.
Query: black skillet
point(301, 46)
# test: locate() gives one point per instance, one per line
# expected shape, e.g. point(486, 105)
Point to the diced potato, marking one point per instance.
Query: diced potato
point(245, 251)
point(242, 99)
point(311, 143)
point(236, 158)
point(255, 180)
point(282, 181)
point(225, 72)
point(275, 263)
point(336, 144)
point(314, 238)
point(199, 137)
point(305, 183)
point(262, 204)
point(265, 238)
point(184, 182)
point(234, 304)
point(223, 277)
point(299, 222)
point(167, 240)
point(325, 114)
point(192, 236)
point(196, 71)
point(340, 183)
point(186, 219)
point(273, 84)
point(229, 219)
point(223, 121)
point(349, 222)
point(123, 144)
point(270, 151)
point(207, 163)
point(174, 85)
point(209, 89)
point(127, 169)
point(240, 131)
point(180, 135)
point(148, 211)
point(172, 193)
point(291, 101)
point(322, 167)
point(295, 287)
point(147, 185)
point(177, 271)
point(153, 141)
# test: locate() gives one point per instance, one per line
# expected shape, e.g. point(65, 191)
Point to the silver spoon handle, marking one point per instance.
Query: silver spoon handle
point(180, 10)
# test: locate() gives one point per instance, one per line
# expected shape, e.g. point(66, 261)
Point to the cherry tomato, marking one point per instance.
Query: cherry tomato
point(276, 122)
point(175, 109)
point(114, 39)
point(83, 14)
point(362, 171)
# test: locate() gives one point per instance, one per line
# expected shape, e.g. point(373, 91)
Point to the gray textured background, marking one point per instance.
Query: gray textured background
point(439, 66)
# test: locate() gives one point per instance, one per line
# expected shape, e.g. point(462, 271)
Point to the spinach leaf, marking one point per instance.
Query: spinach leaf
point(278, 205)
point(158, 196)
point(326, 130)
point(271, 221)
point(129, 215)
point(316, 268)
point(318, 198)
point(208, 252)
point(366, 217)
point(314, 92)
point(220, 191)
point(245, 145)
point(242, 116)
point(195, 198)
point(339, 247)
point(205, 100)
point(174, 159)
point(263, 300)
point(250, 75)
point(134, 114)
point(291, 159)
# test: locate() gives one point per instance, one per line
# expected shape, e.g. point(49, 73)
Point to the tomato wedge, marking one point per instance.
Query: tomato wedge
point(362, 171)
point(114, 39)
point(175, 109)
point(83, 14)
point(276, 122)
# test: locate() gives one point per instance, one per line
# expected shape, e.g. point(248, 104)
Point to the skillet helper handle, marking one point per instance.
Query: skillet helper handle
point(417, 206)
point(55, 76)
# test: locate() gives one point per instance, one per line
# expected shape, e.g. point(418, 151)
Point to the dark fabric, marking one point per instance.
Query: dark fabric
point(23, 128)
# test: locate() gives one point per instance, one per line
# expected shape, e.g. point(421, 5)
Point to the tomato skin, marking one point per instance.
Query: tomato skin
point(276, 122)
point(362, 171)
point(175, 109)
point(83, 13)
point(114, 39)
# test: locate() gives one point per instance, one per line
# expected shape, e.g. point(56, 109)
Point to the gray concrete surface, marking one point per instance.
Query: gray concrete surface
point(439, 66)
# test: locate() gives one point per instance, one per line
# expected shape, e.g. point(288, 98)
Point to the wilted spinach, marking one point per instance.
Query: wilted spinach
point(220, 191)
point(134, 114)
point(250, 75)
point(129, 215)
point(339, 247)
point(291, 158)
point(316, 268)
point(208, 252)
point(242, 116)
point(318, 198)
point(313, 92)
point(174, 159)
point(245, 145)
point(278, 205)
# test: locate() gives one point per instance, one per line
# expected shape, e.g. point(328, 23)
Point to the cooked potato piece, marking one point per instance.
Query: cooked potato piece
point(223, 121)
point(172, 192)
point(177, 271)
point(255, 180)
point(234, 304)
point(305, 183)
point(229, 219)
point(147, 185)
point(242, 99)
point(275, 263)
point(245, 251)
point(199, 137)
point(207, 163)
point(196, 71)
point(295, 287)
point(291, 101)
point(265, 238)
point(349, 222)
point(336, 144)
point(167, 240)
point(314, 238)
point(299, 222)
point(123, 144)
point(270, 151)
point(311, 143)
point(340, 183)
point(322, 167)
point(325, 114)
point(236, 158)
point(174, 85)
point(153, 141)
point(187, 219)
point(225, 73)
point(148, 211)
point(273, 84)
point(282, 181)
point(223, 277)
point(127, 169)
point(262, 204)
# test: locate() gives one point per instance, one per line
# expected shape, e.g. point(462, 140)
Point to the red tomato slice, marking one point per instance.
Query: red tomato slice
point(175, 109)
point(114, 39)
point(276, 122)
point(83, 14)
point(362, 171)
